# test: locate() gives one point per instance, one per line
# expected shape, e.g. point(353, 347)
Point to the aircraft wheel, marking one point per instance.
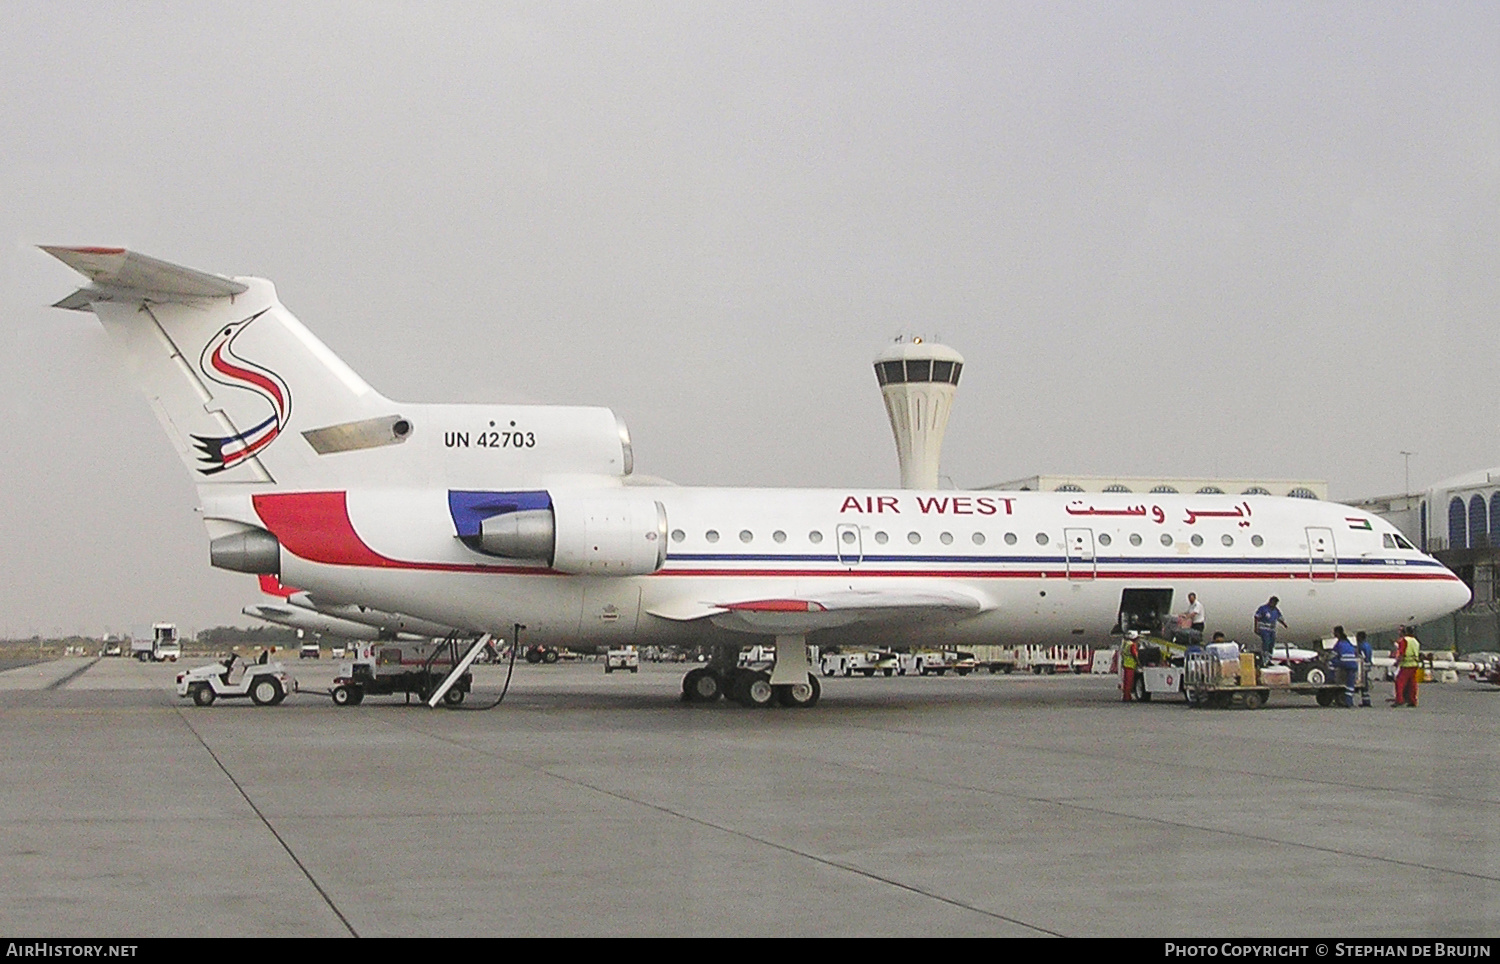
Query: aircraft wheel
point(701, 685)
point(800, 695)
point(266, 692)
point(754, 690)
point(204, 695)
point(454, 696)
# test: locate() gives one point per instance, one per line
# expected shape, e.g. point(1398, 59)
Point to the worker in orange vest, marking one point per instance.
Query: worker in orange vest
point(1408, 656)
point(1130, 651)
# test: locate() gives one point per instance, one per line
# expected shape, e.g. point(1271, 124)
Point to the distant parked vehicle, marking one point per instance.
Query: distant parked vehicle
point(163, 646)
point(624, 658)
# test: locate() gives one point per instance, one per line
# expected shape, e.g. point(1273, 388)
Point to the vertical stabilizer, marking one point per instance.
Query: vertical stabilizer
point(231, 374)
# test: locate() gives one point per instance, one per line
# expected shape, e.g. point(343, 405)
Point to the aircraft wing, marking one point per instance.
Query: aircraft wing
point(824, 610)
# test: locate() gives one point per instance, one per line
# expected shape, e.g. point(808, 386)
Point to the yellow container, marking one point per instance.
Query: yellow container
point(1247, 669)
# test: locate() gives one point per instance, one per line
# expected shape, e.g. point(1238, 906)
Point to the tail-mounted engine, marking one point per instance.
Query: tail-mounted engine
point(590, 533)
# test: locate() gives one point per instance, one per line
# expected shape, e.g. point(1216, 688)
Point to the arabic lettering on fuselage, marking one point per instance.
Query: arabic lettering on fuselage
point(1240, 512)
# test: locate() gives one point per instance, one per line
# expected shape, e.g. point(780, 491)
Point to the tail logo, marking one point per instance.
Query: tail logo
point(220, 363)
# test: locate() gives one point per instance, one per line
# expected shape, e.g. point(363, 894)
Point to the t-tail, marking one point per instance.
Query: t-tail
point(227, 369)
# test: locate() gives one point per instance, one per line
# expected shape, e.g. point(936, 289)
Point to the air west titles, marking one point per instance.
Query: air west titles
point(927, 505)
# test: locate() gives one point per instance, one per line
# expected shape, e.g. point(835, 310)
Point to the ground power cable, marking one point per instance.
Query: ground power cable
point(267, 823)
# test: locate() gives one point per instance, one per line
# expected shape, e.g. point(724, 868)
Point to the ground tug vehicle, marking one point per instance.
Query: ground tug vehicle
point(264, 684)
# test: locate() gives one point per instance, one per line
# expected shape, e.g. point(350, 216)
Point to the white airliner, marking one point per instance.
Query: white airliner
point(480, 516)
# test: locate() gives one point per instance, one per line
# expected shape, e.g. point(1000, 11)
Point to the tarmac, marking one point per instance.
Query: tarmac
point(593, 804)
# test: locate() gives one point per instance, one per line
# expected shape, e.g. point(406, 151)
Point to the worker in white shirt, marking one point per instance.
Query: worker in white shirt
point(1193, 617)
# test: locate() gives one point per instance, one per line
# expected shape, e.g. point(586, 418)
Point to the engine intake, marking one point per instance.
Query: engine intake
point(592, 533)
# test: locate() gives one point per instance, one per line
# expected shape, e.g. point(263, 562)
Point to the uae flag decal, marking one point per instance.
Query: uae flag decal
point(1358, 523)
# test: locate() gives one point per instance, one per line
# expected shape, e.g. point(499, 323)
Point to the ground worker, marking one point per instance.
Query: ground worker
point(1346, 657)
point(1366, 664)
point(1130, 651)
point(1408, 656)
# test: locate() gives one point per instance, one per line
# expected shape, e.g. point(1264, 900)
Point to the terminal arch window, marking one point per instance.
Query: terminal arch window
point(1068, 487)
point(1301, 493)
point(1458, 524)
point(1210, 490)
point(1422, 516)
point(1116, 487)
point(1479, 522)
point(1256, 490)
point(1494, 519)
point(1163, 490)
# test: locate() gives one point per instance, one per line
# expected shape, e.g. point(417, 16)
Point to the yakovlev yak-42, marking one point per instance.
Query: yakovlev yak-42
point(480, 516)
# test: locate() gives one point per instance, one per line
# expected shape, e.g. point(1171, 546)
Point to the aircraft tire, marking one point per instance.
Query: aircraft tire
point(800, 697)
point(702, 685)
point(753, 690)
point(266, 692)
point(204, 695)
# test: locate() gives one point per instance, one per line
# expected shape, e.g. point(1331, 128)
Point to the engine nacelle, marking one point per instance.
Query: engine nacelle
point(587, 533)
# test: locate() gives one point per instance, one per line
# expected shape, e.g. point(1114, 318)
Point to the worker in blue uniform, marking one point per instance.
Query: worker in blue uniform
point(1346, 658)
point(1366, 663)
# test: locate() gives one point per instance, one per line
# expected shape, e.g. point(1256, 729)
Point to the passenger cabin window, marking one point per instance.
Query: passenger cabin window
point(1257, 541)
point(815, 537)
point(712, 535)
point(882, 538)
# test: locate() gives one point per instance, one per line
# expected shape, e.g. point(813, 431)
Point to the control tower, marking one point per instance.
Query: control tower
point(918, 380)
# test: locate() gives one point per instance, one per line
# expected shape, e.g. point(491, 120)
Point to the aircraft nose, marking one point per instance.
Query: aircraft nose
point(1455, 595)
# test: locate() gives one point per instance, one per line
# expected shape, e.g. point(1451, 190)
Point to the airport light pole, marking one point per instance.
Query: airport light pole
point(1407, 456)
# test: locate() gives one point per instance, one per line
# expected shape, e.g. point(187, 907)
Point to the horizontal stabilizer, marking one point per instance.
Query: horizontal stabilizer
point(118, 271)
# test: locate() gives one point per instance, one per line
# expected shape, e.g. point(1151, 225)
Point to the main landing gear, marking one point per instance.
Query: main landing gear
point(789, 682)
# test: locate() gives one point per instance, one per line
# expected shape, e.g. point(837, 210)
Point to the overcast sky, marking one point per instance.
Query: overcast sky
point(1187, 239)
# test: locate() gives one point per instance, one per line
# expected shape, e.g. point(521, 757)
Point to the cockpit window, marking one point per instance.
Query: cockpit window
point(1392, 540)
